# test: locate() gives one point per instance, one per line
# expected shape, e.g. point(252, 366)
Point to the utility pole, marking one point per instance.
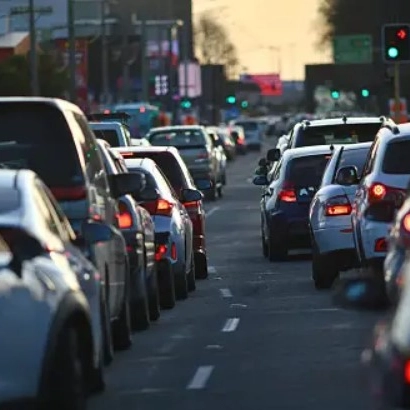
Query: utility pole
point(104, 54)
point(144, 68)
point(397, 101)
point(33, 51)
point(71, 51)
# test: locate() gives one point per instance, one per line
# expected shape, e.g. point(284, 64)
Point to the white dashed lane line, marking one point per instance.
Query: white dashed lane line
point(201, 377)
point(226, 293)
point(231, 324)
point(211, 211)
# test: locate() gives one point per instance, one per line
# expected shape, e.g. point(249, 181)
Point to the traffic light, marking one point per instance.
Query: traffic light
point(365, 93)
point(186, 104)
point(244, 104)
point(231, 99)
point(335, 94)
point(396, 42)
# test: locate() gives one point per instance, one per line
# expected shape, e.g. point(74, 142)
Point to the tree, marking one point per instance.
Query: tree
point(15, 76)
point(214, 45)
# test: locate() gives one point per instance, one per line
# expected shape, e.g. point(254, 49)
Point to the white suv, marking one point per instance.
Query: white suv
point(380, 192)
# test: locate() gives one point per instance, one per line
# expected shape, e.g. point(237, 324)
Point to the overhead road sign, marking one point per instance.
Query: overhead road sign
point(353, 49)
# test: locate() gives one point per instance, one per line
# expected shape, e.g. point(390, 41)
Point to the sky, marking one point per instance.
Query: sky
point(259, 27)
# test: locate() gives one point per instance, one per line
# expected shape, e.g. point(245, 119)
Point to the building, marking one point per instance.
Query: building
point(13, 44)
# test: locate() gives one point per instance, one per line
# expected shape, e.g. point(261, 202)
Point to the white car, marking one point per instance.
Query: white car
point(140, 142)
point(51, 334)
point(382, 186)
point(329, 217)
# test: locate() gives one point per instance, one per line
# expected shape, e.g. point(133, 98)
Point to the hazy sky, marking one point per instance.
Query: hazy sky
point(256, 26)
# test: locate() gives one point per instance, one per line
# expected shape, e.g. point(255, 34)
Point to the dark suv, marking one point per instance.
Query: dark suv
point(52, 138)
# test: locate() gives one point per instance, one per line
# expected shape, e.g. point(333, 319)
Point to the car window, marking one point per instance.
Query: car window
point(10, 200)
point(37, 137)
point(396, 158)
point(109, 135)
point(371, 156)
point(353, 157)
point(306, 171)
point(178, 138)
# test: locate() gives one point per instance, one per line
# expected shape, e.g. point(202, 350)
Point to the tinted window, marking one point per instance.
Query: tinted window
point(337, 134)
point(169, 166)
point(354, 157)
point(178, 138)
point(37, 137)
point(111, 136)
point(396, 159)
point(10, 200)
point(307, 171)
point(248, 126)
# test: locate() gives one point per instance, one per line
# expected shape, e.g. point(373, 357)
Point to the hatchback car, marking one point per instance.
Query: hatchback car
point(174, 168)
point(286, 199)
point(329, 217)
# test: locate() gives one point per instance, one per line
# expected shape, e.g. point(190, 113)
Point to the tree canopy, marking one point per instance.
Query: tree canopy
point(214, 45)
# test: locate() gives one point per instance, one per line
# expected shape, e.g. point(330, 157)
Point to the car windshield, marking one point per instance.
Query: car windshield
point(109, 135)
point(178, 138)
point(307, 171)
point(338, 134)
point(36, 136)
point(10, 200)
point(248, 125)
point(396, 159)
point(353, 157)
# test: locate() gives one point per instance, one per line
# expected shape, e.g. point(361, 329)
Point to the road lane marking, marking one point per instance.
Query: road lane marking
point(238, 305)
point(143, 391)
point(231, 324)
point(226, 293)
point(211, 211)
point(200, 378)
point(214, 347)
point(211, 269)
point(297, 311)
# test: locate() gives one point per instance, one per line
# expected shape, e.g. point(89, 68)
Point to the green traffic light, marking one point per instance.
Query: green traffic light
point(244, 104)
point(186, 104)
point(335, 95)
point(231, 99)
point(365, 93)
point(393, 52)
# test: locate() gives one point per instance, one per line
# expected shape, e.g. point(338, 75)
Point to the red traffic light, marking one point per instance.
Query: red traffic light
point(401, 34)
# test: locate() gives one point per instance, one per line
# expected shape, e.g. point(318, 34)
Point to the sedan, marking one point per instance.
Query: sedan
point(329, 216)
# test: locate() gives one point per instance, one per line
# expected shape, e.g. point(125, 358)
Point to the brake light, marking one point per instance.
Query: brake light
point(124, 216)
point(406, 223)
point(338, 206)
point(160, 252)
point(407, 372)
point(377, 192)
point(159, 207)
point(127, 154)
point(74, 193)
point(287, 193)
point(380, 245)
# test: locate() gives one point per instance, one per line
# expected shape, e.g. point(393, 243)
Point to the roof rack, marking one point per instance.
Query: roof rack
point(123, 117)
point(388, 123)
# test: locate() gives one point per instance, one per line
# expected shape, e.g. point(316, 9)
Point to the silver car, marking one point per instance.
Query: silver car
point(173, 231)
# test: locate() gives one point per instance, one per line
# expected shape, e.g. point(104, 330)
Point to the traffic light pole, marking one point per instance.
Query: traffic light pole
point(397, 90)
point(33, 51)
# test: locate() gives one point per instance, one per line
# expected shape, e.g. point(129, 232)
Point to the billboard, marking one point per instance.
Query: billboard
point(269, 84)
point(192, 86)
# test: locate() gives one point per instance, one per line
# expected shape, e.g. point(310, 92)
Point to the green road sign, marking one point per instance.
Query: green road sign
point(354, 49)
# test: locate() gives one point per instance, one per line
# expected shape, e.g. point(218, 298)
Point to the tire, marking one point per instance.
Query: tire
point(201, 266)
point(108, 348)
point(324, 273)
point(121, 328)
point(66, 384)
point(191, 277)
point(153, 297)
point(181, 285)
point(166, 287)
point(140, 319)
point(276, 252)
point(97, 383)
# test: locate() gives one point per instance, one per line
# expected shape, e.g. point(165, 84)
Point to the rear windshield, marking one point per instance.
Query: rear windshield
point(396, 158)
point(36, 136)
point(10, 200)
point(178, 138)
point(337, 134)
point(353, 157)
point(307, 171)
point(248, 126)
point(169, 166)
point(111, 136)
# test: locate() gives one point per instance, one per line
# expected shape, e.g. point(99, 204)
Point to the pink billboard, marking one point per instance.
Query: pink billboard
point(269, 84)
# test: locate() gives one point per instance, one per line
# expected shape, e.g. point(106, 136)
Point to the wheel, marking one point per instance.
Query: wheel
point(108, 349)
point(324, 272)
point(191, 276)
point(140, 319)
point(66, 385)
point(201, 266)
point(153, 297)
point(276, 251)
point(121, 328)
point(181, 285)
point(166, 286)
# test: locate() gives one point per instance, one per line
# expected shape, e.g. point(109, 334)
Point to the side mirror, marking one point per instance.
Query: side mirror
point(146, 195)
point(273, 155)
point(190, 195)
point(203, 184)
point(347, 176)
point(361, 293)
point(94, 232)
point(263, 162)
point(260, 180)
point(123, 184)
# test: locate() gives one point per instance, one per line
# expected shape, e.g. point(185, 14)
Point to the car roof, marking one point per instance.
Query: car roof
point(56, 102)
point(352, 147)
point(147, 148)
point(343, 121)
point(177, 127)
point(105, 124)
point(308, 151)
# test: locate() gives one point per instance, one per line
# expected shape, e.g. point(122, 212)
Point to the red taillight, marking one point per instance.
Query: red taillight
point(377, 192)
point(407, 372)
point(380, 245)
point(159, 207)
point(240, 141)
point(160, 252)
point(287, 193)
point(124, 216)
point(127, 154)
point(338, 206)
point(74, 193)
point(173, 251)
point(406, 223)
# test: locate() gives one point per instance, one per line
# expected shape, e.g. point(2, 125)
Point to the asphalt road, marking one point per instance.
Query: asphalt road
point(254, 336)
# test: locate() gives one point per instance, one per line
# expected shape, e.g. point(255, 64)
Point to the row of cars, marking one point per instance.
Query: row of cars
point(95, 241)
